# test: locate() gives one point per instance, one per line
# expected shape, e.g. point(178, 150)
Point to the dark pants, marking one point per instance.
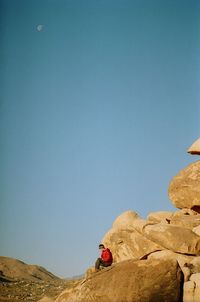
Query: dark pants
point(100, 262)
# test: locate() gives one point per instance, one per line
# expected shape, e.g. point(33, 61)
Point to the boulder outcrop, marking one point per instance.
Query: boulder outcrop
point(184, 189)
point(155, 260)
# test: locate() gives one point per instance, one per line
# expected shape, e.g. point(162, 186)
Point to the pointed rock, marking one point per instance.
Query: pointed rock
point(195, 148)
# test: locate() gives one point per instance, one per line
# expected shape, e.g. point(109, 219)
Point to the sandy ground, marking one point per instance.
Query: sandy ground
point(17, 291)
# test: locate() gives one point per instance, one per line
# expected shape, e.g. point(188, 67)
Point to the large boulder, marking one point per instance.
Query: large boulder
point(184, 189)
point(174, 238)
point(149, 280)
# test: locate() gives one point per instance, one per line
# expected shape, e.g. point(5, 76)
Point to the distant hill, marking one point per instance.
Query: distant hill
point(76, 277)
point(13, 269)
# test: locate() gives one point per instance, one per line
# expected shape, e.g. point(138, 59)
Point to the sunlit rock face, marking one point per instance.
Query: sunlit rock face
point(184, 189)
point(150, 280)
point(175, 238)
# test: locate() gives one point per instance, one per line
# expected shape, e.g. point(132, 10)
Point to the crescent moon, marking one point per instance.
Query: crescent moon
point(40, 27)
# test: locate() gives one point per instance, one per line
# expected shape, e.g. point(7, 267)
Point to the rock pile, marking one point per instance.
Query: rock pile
point(155, 260)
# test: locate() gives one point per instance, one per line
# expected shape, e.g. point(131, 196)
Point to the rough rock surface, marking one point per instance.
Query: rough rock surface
point(184, 189)
point(149, 280)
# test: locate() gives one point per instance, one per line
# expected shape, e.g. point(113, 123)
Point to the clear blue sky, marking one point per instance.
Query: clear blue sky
point(97, 111)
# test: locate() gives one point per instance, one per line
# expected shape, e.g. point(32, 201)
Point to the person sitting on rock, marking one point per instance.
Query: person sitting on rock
point(106, 258)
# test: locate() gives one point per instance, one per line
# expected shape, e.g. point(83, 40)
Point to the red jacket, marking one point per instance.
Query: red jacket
point(106, 256)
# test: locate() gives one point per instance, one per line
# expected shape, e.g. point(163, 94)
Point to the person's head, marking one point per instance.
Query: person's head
point(101, 246)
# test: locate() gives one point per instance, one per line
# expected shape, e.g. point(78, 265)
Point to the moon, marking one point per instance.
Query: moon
point(40, 27)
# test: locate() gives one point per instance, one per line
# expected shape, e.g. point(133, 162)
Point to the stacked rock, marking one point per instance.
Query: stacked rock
point(155, 259)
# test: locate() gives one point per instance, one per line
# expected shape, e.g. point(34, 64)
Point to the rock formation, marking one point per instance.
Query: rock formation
point(155, 260)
